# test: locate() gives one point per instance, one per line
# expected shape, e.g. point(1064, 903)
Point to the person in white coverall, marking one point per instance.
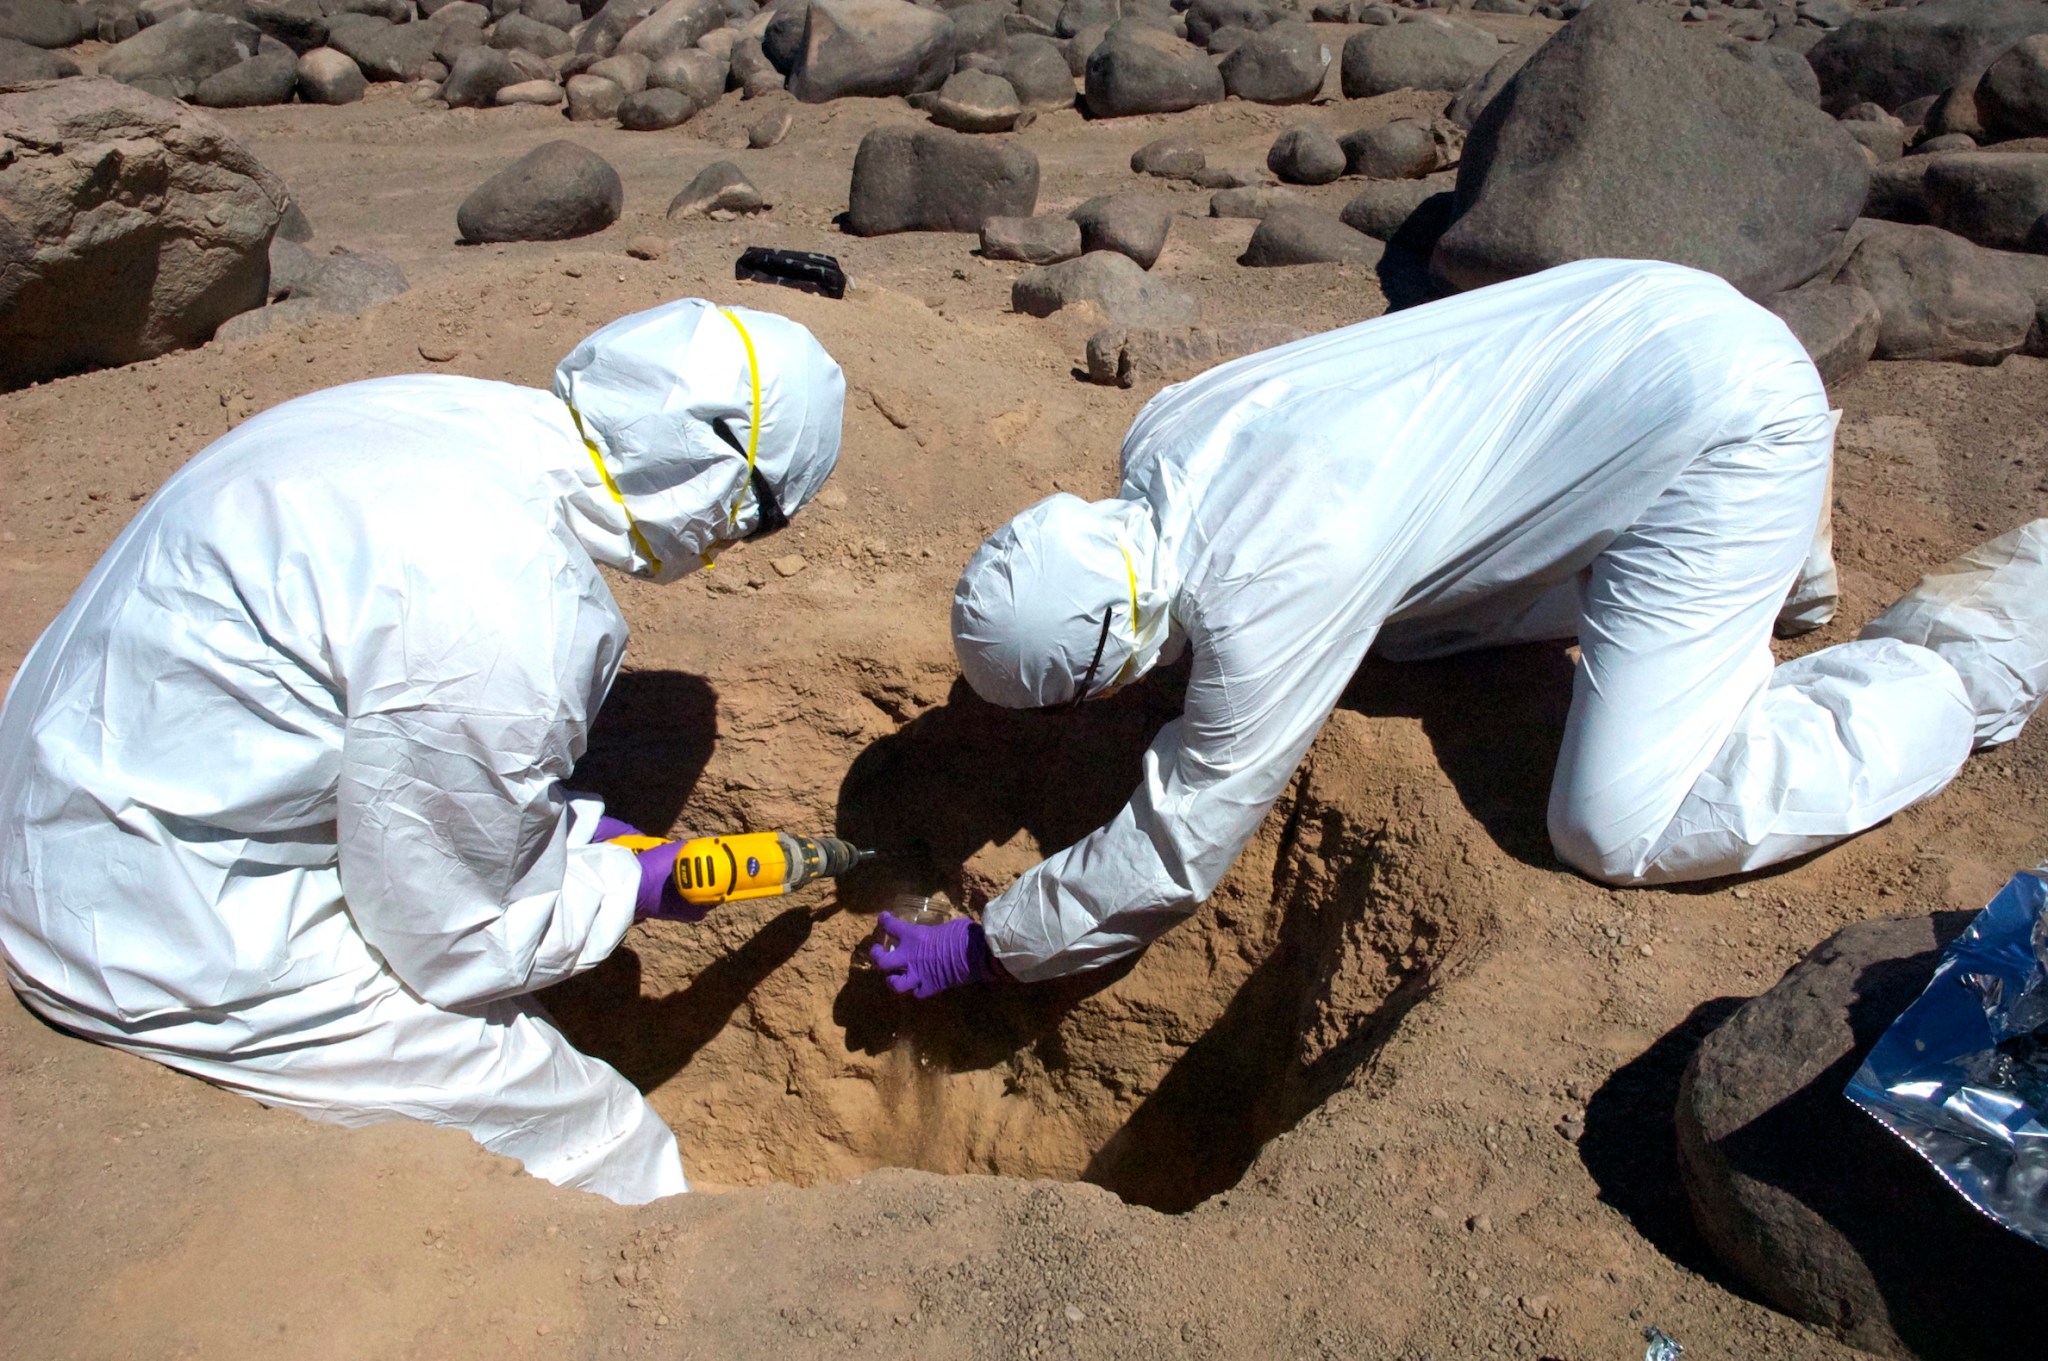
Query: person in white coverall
point(1624, 452)
point(280, 789)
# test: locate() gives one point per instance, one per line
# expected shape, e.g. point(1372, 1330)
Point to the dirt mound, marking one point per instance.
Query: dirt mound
point(1160, 1080)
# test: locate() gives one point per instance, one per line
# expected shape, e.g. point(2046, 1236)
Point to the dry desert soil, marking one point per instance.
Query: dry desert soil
point(1401, 1089)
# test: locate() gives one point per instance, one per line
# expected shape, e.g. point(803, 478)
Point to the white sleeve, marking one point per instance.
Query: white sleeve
point(1210, 776)
point(467, 704)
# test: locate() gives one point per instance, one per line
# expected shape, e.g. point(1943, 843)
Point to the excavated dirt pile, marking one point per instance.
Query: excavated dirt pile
point(776, 1061)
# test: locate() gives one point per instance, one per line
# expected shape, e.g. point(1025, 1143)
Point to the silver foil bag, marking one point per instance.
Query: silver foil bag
point(1962, 1075)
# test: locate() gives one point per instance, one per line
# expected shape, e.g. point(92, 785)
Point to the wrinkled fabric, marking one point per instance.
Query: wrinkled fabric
point(280, 789)
point(1986, 615)
point(1625, 452)
point(648, 390)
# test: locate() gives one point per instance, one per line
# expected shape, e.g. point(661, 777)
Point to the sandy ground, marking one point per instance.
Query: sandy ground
point(1402, 1089)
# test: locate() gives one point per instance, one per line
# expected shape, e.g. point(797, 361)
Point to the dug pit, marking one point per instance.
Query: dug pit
point(1374, 876)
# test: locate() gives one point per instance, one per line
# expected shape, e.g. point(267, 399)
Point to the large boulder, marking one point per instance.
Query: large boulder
point(21, 63)
point(1037, 70)
point(1306, 154)
point(46, 23)
point(1115, 283)
point(300, 25)
point(1124, 356)
point(1836, 323)
point(129, 227)
point(910, 179)
point(1143, 70)
point(1129, 224)
point(1627, 137)
point(385, 51)
point(1786, 63)
point(1206, 17)
point(720, 188)
point(1424, 53)
point(609, 26)
point(1381, 209)
point(1281, 64)
point(675, 27)
point(1891, 56)
point(1405, 149)
point(266, 78)
point(173, 56)
point(476, 76)
point(976, 101)
point(870, 47)
point(1308, 236)
point(1996, 200)
point(1471, 101)
point(1939, 296)
point(1034, 240)
point(553, 192)
point(1822, 1211)
point(2012, 94)
point(330, 77)
point(517, 33)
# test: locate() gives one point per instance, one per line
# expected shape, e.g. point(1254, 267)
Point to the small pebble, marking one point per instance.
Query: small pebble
point(1480, 1224)
point(789, 566)
point(1074, 1314)
point(438, 351)
point(647, 248)
point(1647, 952)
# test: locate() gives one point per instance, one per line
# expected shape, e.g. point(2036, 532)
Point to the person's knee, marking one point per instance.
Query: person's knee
point(1593, 849)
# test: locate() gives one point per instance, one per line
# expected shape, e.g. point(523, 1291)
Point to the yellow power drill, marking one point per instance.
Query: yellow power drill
point(730, 869)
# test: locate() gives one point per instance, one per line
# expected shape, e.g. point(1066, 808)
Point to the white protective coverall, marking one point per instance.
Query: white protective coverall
point(1626, 452)
point(280, 789)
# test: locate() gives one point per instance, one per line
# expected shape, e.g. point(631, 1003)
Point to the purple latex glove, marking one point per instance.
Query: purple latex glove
point(610, 828)
point(658, 896)
point(927, 960)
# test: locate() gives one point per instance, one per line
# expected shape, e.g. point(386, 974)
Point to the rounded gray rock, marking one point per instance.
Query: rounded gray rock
point(1817, 1206)
point(45, 23)
point(974, 101)
point(1995, 199)
point(1034, 240)
point(1207, 17)
point(592, 99)
point(180, 52)
point(692, 72)
point(1115, 283)
point(912, 179)
point(1129, 224)
point(188, 250)
point(655, 110)
point(870, 47)
point(1308, 236)
point(720, 187)
point(1174, 157)
point(1673, 151)
point(476, 76)
point(330, 77)
point(1939, 296)
point(556, 191)
point(20, 62)
point(1282, 64)
point(1424, 53)
point(1405, 149)
point(516, 32)
point(2012, 94)
point(1306, 154)
point(1142, 70)
point(1892, 55)
point(1037, 70)
point(268, 78)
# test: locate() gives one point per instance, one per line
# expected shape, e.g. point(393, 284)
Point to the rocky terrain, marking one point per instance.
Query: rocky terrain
point(1405, 1087)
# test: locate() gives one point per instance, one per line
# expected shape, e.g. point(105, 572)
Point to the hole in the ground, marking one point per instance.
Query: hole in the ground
point(1161, 1079)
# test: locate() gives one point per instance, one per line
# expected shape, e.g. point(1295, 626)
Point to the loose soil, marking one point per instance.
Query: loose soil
point(1401, 1089)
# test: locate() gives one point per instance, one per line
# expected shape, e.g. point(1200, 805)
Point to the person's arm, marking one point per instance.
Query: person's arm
point(470, 684)
point(1254, 705)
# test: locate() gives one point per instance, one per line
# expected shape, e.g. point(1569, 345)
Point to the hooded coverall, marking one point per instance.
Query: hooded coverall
point(280, 789)
point(1625, 452)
